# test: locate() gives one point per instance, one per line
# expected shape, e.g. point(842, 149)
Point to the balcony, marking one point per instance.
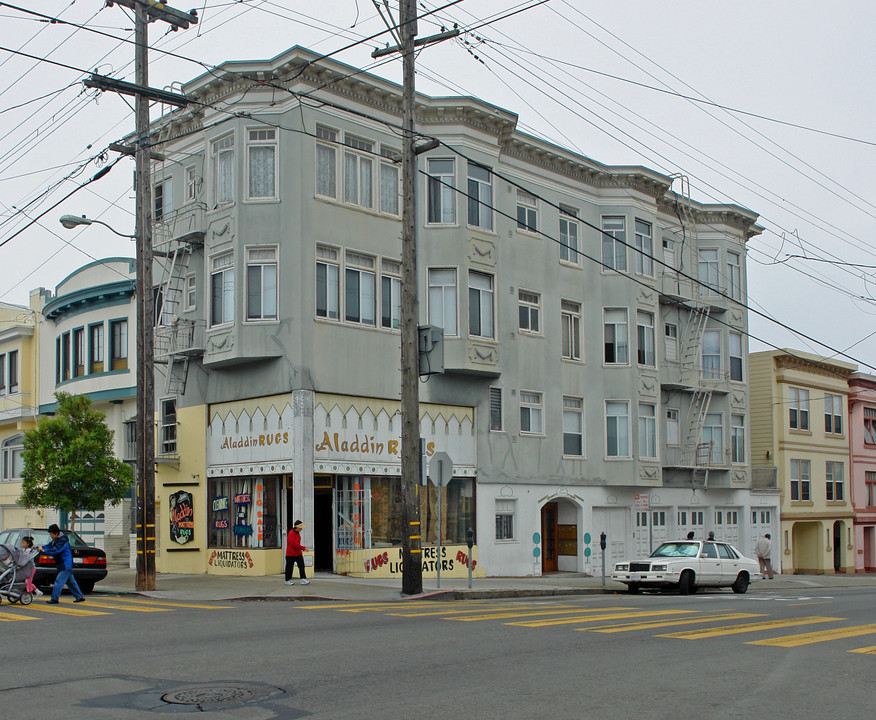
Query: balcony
point(471, 356)
point(676, 374)
point(683, 291)
point(180, 338)
point(703, 457)
point(187, 224)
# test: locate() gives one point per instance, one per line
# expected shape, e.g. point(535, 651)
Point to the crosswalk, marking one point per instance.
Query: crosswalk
point(666, 623)
point(95, 606)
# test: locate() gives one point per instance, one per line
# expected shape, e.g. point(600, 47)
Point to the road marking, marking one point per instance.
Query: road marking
point(820, 602)
point(139, 601)
point(63, 610)
point(130, 608)
point(594, 618)
point(508, 615)
point(667, 623)
point(747, 627)
point(491, 609)
point(817, 637)
point(865, 650)
point(11, 617)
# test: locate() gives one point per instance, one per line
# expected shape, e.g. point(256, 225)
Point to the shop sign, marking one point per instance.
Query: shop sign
point(454, 561)
point(182, 517)
point(236, 559)
point(220, 503)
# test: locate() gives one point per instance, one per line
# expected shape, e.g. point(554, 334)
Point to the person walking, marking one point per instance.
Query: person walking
point(762, 551)
point(295, 554)
point(59, 548)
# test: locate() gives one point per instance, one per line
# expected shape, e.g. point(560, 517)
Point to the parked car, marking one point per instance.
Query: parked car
point(689, 565)
point(89, 563)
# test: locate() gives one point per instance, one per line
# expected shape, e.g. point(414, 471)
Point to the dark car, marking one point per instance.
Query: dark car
point(89, 563)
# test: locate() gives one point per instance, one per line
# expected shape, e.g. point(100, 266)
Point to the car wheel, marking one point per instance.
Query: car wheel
point(741, 584)
point(633, 588)
point(686, 583)
point(86, 586)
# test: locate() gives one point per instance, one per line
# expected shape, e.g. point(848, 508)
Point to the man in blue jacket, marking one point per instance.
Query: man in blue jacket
point(59, 548)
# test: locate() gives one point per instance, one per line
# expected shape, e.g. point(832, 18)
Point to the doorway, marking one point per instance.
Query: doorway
point(549, 519)
point(838, 546)
point(323, 523)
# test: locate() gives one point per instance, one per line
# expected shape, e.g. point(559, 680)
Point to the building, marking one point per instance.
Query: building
point(799, 421)
point(19, 334)
point(862, 467)
point(594, 336)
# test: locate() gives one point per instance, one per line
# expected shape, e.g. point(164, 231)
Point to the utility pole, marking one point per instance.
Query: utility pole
point(144, 12)
point(412, 559)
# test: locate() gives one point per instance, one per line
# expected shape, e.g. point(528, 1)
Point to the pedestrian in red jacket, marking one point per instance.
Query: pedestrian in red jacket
point(295, 554)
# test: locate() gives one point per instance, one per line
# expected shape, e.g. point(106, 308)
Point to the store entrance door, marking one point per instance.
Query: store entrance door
point(549, 537)
point(323, 515)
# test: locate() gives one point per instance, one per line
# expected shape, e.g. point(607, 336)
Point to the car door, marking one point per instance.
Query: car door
point(730, 563)
point(710, 572)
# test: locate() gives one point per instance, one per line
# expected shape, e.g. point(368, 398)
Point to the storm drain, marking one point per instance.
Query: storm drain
point(209, 697)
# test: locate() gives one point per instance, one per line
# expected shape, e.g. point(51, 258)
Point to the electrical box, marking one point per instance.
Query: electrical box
point(430, 347)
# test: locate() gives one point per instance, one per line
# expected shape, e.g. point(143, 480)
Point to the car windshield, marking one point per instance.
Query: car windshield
point(679, 549)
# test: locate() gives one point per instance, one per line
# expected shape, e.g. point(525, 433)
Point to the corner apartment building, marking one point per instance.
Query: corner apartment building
point(862, 470)
point(800, 421)
point(594, 336)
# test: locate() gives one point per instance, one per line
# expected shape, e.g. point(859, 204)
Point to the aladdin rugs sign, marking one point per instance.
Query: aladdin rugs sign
point(182, 517)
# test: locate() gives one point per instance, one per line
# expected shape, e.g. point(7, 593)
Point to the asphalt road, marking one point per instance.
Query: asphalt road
point(710, 655)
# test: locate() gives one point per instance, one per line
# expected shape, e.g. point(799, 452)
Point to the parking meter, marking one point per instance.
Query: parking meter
point(602, 540)
point(602, 545)
point(469, 538)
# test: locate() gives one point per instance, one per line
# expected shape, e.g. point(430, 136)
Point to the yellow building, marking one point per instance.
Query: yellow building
point(799, 427)
point(18, 406)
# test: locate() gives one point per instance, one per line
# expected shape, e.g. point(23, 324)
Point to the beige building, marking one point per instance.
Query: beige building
point(799, 428)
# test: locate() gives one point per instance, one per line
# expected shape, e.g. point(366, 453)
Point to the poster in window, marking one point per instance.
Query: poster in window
point(182, 517)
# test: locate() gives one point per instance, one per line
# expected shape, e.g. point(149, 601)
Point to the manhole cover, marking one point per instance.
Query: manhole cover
point(217, 695)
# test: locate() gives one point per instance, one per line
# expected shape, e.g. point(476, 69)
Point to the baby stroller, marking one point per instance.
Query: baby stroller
point(16, 565)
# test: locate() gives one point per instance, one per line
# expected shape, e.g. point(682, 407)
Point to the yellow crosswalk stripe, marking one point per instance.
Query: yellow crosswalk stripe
point(527, 613)
point(817, 637)
point(630, 627)
point(469, 610)
point(151, 601)
point(578, 619)
point(871, 650)
point(747, 627)
point(131, 608)
point(12, 617)
point(62, 609)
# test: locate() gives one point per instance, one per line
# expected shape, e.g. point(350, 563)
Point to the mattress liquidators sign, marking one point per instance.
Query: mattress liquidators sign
point(385, 563)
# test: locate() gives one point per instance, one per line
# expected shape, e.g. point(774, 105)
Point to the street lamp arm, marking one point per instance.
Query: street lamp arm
point(72, 221)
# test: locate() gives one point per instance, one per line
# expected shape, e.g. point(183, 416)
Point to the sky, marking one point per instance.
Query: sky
point(766, 105)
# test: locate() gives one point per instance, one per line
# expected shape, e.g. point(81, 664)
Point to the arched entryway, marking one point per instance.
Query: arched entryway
point(807, 543)
point(560, 530)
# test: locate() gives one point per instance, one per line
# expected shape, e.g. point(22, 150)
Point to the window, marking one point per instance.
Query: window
point(358, 172)
point(222, 151)
point(327, 282)
point(359, 289)
point(441, 190)
point(644, 248)
point(480, 197)
point(834, 476)
point(442, 299)
point(798, 408)
point(647, 430)
point(193, 182)
point(527, 211)
point(95, 348)
point(737, 438)
point(222, 289)
point(162, 200)
point(191, 292)
point(870, 426)
point(480, 304)
point(496, 409)
point(645, 337)
point(118, 345)
point(870, 481)
point(617, 428)
point(326, 162)
point(734, 275)
point(11, 463)
point(390, 294)
point(833, 414)
point(615, 337)
point(62, 359)
point(708, 271)
point(505, 510)
point(261, 283)
point(531, 413)
point(672, 426)
point(167, 437)
point(712, 355)
point(569, 235)
point(389, 180)
point(571, 329)
point(243, 512)
point(262, 163)
point(713, 436)
point(736, 357)
point(528, 304)
point(12, 370)
point(573, 427)
point(614, 238)
point(79, 352)
point(800, 481)
point(3, 374)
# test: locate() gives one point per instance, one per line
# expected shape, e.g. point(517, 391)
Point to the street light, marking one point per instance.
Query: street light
point(72, 221)
point(145, 461)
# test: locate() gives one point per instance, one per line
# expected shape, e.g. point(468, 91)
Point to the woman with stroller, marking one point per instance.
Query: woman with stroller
point(59, 548)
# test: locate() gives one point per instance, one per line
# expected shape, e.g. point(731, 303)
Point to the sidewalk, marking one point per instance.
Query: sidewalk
point(330, 587)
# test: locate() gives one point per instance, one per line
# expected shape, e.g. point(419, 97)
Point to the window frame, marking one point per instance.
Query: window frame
point(798, 409)
point(645, 340)
point(573, 408)
point(614, 249)
point(711, 283)
point(11, 455)
point(737, 361)
point(222, 158)
point(390, 270)
point(263, 267)
point(162, 199)
point(361, 151)
point(869, 421)
point(737, 438)
point(191, 292)
point(326, 152)
point(712, 370)
point(505, 514)
point(644, 248)
point(273, 144)
point(481, 306)
point(497, 419)
point(572, 249)
point(386, 200)
point(442, 288)
point(529, 312)
point(78, 348)
point(99, 330)
point(672, 420)
point(570, 334)
point(440, 193)
point(734, 275)
point(801, 484)
point(527, 212)
point(480, 197)
point(225, 275)
point(834, 481)
point(532, 402)
point(625, 345)
point(833, 421)
point(362, 266)
point(168, 436)
point(328, 257)
point(716, 435)
point(618, 455)
point(647, 428)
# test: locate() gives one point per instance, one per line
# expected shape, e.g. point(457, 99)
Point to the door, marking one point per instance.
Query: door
point(659, 528)
point(643, 534)
point(709, 572)
point(761, 524)
point(837, 546)
point(549, 537)
point(613, 522)
point(690, 520)
point(727, 526)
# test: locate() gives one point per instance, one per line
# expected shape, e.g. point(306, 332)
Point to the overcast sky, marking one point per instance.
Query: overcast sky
point(574, 71)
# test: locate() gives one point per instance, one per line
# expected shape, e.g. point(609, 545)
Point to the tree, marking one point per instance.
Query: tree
point(69, 462)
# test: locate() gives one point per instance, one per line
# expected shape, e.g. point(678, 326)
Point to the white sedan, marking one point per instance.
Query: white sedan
point(689, 565)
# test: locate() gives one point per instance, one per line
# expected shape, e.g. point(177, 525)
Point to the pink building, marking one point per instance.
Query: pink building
point(862, 470)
